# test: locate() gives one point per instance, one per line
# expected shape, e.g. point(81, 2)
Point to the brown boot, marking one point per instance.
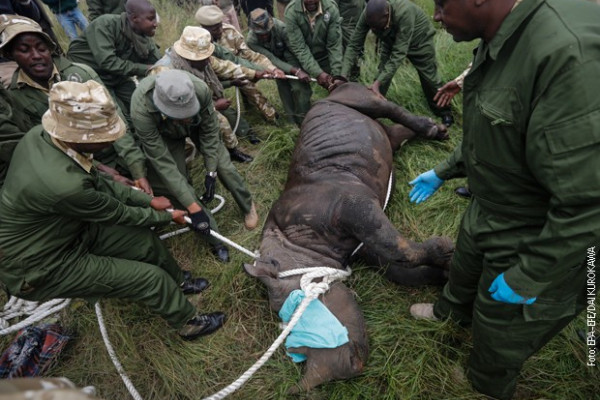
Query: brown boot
point(251, 219)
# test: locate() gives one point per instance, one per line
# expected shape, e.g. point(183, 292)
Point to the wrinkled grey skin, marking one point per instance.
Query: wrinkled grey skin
point(333, 201)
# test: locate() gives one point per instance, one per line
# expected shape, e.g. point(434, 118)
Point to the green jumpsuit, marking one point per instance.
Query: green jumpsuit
point(350, 11)
point(34, 103)
point(97, 8)
point(163, 141)
point(12, 129)
point(318, 48)
point(111, 47)
point(530, 153)
point(70, 233)
point(294, 95)
point(409, 35)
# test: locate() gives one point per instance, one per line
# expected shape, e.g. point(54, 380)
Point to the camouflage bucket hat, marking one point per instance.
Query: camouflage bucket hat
point(194, 44)
point(209, 15)
point(82, 113)
point(260, 22)
point(13, 25)
point(174, 95)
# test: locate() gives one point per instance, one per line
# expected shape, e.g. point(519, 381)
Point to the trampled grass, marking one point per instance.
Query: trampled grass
point(408, 359)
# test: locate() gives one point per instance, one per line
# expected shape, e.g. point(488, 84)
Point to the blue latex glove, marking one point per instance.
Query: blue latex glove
point(424, 186)
point(502, 292)
point(316, 328)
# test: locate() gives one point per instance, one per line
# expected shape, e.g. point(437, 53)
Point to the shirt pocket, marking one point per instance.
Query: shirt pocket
point(496, 136)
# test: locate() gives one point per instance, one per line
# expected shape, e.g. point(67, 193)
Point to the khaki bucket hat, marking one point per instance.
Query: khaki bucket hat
point(260, 22)
point(13, 25)
point(174, 94)
point(209, 15)
point(194, 44)
point(82, 113)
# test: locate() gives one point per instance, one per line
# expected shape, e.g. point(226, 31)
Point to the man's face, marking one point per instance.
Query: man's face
point(144, 23)
point(264, 37)
point(457, 18)
point(216, 31)
point(311, 5)
point(33, 55)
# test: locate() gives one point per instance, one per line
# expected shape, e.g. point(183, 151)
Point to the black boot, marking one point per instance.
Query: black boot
point(251, 136)
point(237, 155)
point(463, 191)
point(220, 251)
point(194, 285)
point(201, 325)
point(448, 120)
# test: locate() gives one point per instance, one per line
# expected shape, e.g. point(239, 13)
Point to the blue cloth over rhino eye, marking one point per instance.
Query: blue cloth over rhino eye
point(317, 327)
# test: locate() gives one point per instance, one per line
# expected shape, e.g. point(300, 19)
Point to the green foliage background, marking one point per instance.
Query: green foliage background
point(408, 359)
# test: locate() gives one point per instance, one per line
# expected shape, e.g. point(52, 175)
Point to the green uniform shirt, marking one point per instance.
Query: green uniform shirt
point(12, 129)
point(153, 132)
point(48, 201)
point(105, 47)
point(318, 48)
point(277, 50)
point(97, 8)
point(532, 135)
point(409, 27)
point(34, 103)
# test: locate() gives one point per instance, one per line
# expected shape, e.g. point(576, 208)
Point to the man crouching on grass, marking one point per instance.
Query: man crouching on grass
point(66, 231)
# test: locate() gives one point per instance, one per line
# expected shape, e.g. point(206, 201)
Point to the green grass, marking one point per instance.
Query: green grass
point(409, 359)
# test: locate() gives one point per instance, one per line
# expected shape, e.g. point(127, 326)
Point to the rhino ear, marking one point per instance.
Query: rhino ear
point(266, 272)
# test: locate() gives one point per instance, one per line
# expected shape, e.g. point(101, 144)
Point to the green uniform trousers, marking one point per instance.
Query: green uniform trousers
point(227, 173)
point(243, 127)
point(424, 61)
point(120, 262)
point(504, 335)
point(295, 98)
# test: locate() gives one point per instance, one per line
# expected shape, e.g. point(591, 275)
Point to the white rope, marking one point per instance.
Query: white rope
point(16, 307)
point(113, 356)
point(312, 291)
point(214, 234)
point(238, 111)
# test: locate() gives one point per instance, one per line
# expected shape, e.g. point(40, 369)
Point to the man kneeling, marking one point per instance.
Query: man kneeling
point(66, 231)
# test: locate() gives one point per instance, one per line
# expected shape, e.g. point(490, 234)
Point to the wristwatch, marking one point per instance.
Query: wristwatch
point(212, 174)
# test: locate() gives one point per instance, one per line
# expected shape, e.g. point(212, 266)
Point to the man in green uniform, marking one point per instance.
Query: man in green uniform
point(97, 8)
point(163, 119)
point(267, 36)
point(119, 47)
point(315, 37)
point(530, 153)
point(350, 11)
point(193, 53)
point(24, 42)
point(211, 19)
point(404, 31)
point(68, 232)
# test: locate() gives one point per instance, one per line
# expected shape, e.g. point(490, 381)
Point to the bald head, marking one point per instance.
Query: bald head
point(137, 7)
point(142, 17)
point(377, 14)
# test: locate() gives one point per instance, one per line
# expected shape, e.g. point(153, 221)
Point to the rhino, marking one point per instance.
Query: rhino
point(333, 201)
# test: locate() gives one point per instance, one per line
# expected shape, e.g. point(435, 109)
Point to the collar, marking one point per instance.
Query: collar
point(316, 14)
point(84, 160)
point(519, 13)
point(24, 79)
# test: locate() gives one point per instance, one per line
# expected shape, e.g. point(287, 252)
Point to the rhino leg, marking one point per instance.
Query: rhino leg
point(398, 135)
point(360, 98)
point(432, 269)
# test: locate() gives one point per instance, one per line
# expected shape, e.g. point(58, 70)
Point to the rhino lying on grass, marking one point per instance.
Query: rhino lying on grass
point(332, 201)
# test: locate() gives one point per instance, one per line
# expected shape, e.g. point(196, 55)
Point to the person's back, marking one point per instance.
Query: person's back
point(97, 8)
